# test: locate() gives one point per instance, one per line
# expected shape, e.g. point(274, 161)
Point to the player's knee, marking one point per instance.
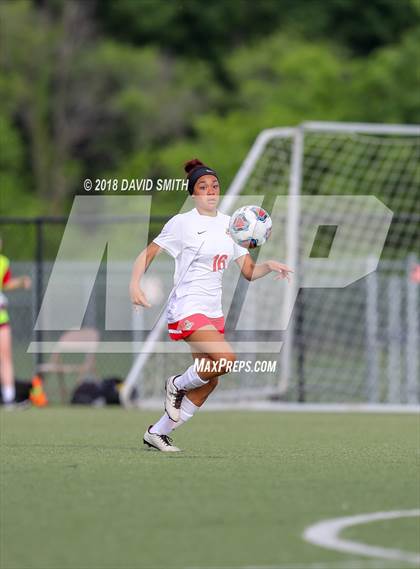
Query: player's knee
point(230, 357)
point(226, 362)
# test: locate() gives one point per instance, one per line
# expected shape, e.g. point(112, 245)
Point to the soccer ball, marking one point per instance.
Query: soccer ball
point(250, 226)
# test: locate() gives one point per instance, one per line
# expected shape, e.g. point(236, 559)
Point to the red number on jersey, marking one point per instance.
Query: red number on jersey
point(219, 262)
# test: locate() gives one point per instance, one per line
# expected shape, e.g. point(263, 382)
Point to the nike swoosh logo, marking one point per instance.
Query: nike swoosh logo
point(200, 232)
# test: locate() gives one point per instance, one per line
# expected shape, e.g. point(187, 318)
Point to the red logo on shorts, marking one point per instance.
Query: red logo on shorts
point(187, 325)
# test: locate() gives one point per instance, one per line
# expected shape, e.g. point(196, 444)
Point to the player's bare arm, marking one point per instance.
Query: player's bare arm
point(252, 270)
point(141, 265)
point(15, 283)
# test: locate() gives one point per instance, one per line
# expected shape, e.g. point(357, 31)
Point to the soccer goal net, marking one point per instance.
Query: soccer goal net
point(344, 199)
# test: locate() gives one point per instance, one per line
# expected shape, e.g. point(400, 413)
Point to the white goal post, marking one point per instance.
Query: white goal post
point(354, 344)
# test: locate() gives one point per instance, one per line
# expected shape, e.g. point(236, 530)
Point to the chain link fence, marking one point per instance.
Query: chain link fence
point(375, 359)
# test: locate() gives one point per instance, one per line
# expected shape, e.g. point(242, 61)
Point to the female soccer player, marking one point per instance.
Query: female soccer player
point(202, 248)
point(7, 283)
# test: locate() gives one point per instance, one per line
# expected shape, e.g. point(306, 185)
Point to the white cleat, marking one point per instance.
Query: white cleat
point(159, 442)
point(174, 397)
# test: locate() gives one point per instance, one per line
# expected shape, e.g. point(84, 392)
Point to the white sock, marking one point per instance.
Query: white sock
point(189, 380)
point(165, 425)
point(187, 411)
point(8, 393)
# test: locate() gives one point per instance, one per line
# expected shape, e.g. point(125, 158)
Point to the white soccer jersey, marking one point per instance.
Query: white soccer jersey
point(202, 250)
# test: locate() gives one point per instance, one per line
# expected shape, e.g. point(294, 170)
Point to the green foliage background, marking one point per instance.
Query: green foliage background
point(117, 88)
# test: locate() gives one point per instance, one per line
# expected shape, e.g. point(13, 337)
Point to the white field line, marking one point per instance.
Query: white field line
point(326, 534)
point(153, 404)
point(327, 565)
point(355, 564)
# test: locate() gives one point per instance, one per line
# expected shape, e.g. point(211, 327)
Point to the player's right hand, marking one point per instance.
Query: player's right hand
point(138, 298)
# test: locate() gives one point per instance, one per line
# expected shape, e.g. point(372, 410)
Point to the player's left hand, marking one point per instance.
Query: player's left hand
point(280, 268)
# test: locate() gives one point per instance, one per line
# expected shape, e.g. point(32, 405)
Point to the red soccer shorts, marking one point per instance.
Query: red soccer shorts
point(185, 327)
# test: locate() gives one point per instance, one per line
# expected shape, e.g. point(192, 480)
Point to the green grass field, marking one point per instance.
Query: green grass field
point(78, 490)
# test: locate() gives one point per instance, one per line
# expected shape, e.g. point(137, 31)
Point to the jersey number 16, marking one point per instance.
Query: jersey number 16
point(219, 262)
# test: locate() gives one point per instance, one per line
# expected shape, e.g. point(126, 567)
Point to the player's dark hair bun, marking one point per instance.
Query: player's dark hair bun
point(195, 169)
point(191, 164)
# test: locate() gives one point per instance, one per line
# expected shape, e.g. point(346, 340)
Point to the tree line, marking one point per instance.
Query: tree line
point(125, 89)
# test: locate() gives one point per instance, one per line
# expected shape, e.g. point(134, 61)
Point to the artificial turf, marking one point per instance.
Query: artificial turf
point(79, 491)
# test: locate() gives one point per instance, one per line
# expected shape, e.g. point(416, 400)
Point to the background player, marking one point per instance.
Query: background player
point(7, 283)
